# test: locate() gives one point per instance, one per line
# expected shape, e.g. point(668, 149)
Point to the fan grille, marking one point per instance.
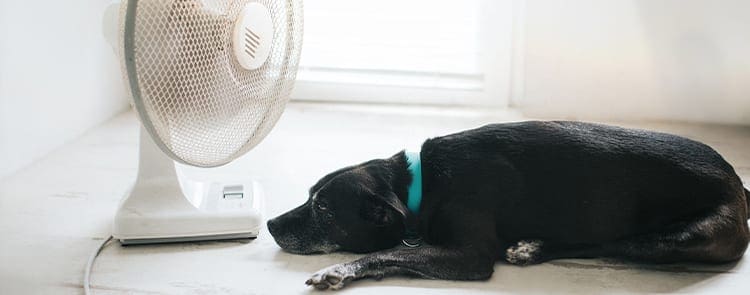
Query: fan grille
point(199, 104)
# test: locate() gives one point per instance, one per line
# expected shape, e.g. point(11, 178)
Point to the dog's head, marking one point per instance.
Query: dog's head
point(354, 209)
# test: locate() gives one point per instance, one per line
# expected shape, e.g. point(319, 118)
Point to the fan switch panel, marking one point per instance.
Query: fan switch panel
point(233, 192)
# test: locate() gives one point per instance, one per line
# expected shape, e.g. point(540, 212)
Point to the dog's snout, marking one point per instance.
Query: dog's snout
point(273, 226)
point(296, 232)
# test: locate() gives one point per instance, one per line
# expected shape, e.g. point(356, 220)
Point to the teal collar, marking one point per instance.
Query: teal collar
point(414, 199)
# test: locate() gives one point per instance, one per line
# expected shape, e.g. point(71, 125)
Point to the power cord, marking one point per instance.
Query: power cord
point(90, 264)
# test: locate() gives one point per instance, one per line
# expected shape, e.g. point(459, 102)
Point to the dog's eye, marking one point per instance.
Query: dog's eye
point(321, 206)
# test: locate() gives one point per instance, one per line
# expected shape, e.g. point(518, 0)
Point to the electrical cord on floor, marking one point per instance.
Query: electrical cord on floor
point(90, 264)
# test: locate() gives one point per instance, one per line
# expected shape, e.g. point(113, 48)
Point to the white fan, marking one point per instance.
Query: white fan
point(209, 79)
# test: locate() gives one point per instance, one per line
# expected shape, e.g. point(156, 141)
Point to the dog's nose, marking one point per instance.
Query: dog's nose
point(273, 226)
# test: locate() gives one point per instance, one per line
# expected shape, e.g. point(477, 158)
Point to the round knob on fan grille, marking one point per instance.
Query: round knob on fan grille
point(209, 79)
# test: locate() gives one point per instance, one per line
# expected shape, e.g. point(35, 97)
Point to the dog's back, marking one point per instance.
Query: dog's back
point(581, 182)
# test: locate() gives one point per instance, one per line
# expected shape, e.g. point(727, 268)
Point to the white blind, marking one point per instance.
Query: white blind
point(415, 43)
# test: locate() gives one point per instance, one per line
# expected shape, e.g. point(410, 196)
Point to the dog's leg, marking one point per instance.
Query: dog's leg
point(429, 262)
point(527, 252)
point(719, 237)
point(470, 256)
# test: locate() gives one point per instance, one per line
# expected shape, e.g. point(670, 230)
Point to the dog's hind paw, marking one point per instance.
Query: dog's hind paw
point(524, 252)
point(334, 277)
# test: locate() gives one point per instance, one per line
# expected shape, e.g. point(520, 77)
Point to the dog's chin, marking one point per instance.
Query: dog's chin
point(305, 251)
point(322, 249)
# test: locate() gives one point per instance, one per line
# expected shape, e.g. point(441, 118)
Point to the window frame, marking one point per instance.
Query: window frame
point(496, 22)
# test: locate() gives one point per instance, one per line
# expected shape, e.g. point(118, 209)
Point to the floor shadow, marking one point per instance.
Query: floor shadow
point(171, 247)
point(559, 276)
point(312, 263)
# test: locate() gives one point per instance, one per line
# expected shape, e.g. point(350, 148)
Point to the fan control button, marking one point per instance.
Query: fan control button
point(233, 192)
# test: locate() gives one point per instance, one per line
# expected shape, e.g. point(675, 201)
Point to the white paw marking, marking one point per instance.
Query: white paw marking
point(524, 252)
point(334, 277)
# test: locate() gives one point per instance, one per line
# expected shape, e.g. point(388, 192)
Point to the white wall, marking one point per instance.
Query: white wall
point(583, 59)
point(58, 76)
point(686, 60)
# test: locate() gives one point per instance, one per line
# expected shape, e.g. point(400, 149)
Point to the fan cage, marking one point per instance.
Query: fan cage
point(199, 105)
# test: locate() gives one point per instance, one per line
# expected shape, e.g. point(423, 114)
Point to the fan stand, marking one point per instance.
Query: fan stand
point(158, 210)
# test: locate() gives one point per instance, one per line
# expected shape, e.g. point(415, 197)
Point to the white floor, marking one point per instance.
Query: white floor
point(55, 212)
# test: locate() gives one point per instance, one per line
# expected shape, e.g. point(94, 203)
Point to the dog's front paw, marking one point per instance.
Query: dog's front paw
point(333, 277)
point(524, 252)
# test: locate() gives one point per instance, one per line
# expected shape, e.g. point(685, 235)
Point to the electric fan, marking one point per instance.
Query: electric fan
point(208, 79)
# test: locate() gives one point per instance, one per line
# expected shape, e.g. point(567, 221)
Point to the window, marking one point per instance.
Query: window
point(406, 51)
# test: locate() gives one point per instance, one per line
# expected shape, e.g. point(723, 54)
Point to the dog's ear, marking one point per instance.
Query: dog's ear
point(385, 209)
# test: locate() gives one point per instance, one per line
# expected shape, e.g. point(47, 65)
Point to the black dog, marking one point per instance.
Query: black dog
point(527, 193)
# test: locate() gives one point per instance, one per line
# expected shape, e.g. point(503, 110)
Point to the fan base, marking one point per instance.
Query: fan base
point(207, 211)
point(240, 236)
point(165, 207)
